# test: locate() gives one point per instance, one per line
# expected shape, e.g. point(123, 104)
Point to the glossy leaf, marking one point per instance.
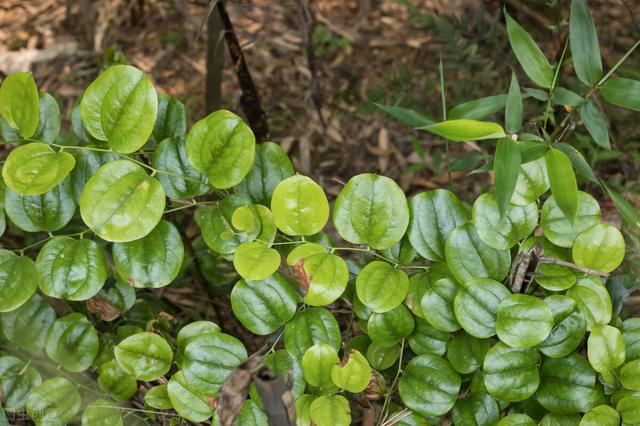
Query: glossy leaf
point(222, 146)
point(101, 413)
point(580, 164)
point(469, 257)
point(513, 110)
point(54, 401)
point(631, 337)
point(630, 375)
point(177, 176)
point(605, 348)
point(629, 409)
point(476, 306)
point(602, 415)
point(563, 182)
point(426, 339)
point(327, 276)
point(18, 280)
point(158, 397)
point(600, 247)
point(299, 206)
point(585, 50)
point(146, 356)
point(330, 411)
point(263, 306)
point(506, 168)
point(623, 92)
point(559, 228)
point(569, 327)
point(531, 58)
point(479, 409)
point(371, 210)
point(72, 342)
point(353, 374)
point(593, 301)
point(17, 380)
point(511, 374)
point(382, 358)
point(27, 325)
point(87, 163)
point(381, 287)
point(116, 382)
point(120, 107)
point(48, 124)
point(310, 327)
point(187, 402)
point(478, 109)
point(19, 103)
point(283, 364)
point(465, 129)
point(429, 386)
point(516, 419)
point(216, 224)
point(595, 123)
point(71, 269)
point(523, 321)
point(317, 364)
point(532, 182)
point(502, 231)
point(434, 215)
point(437, 305)
point(121, 203)
point(171, 120)
point(466, 353)
point(256, 261)
point(389, 328)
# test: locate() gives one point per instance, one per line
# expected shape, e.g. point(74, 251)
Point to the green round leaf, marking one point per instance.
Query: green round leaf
point(479, 409)
point(371, 210)
point(382, 358)
point(434, 215)
point(209, 359)
point(158, 397)
point(271, 166)
point(561, 230)
point(568, 329)
point(523, 321)
point(121, 203)
point(88, 162)
point(629, 410)
point(187, 402)
point(216, 224)
point(116, 382)
point(381, 287)
point(18, 280)
point(192, 331)
point(469, 257)
point(466, 353)
point(503, 231)
point(27, 325)
point(121, 295)
point(330, 411)
point(310, 327)
point(554, 419)
point(602, 415)
point(255, 260)
point(388, 328)
point(426, 339)
point(48, 125)
point(299, 206)
point(281, 363)
point(516, 419)
point(17, 379)
point(476, 306)
point(437, 305)
point(429, 386)
point(418, 285)
point(327, 276)
point(72, 342)
point(532, 182)
point(303, 403)
point(35, 168)
point(354, 374)
point(302, 252)
point(171, 120)
point(19, 103)
point(71, 269)
point(178, 178)
point(630, 375)
point(593, 301)
point(45, 212)
point(146, 356)
point(600, 247)
point(101, 413)
point(223, 147)
point(152, 261)
point(120, 107)
point(54, 401)
point(511, 374)
point(605, 348)
point(252, 415)
point(568, 385)
point(317, 363)
point(631, 336)
point(265, 305)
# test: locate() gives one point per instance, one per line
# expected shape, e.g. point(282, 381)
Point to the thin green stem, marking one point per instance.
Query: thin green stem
point(556, 76)
point(617, 65)
point(393, 385)
point(22, 250)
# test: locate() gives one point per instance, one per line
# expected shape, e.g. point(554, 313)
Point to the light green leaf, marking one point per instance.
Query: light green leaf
point(299, 206)
point(630, 375)
point(434, 214)
point(171, 120)
point(371, 210)
point(513, 110)
point(71, 269)
point(593, 301)
point(310, 327)
point(178, 178)
point(602, 415)
point(146, 356)
point(19, 104)
point(271, 166)
point(523, 321)
point(330, 411)
point(469, 257)
point(466, 353)
point(531, 58)
point(120, 107)
point(18, 280)
point(466, 130)
point(353, 374)
point(101, 413)
point(568, 329)
point(600, 247)
point(152, 261)
point(506, 168)
point(503, 231)
point(623, 92)
point(596, 124)
point(561, 230)
point(388, 328)
point(190, 332)
point(580, 164)
point(116, 382)
point(302, 252)
point(418, 286)
point(327, 276)
point(87, 163)
point(429, 386)
point(187, 402)
point(121, 203)
point(222, 146)
point(605, 348)
point(27, 325)
point(511, 374)
point(72, 342)
point(255, 260)
point(585, 50)
point(437, 305)
point(48, 125)
point(532, 182)
point(317, 364)
point(477, 109)
point(381, 287)
point(53, 402)
point(476, 306)
point(629, 410)
point(17, 380)
point(251, 415)
point(158, 397)
point(216, 224)
point(35, 168)
point(563, 182)
point(554, 419)
point(568, 386)
point(479, 409)
point(264, 305)
point(516, 419)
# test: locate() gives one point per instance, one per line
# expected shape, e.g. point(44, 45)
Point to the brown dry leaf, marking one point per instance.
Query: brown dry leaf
point(99, 305)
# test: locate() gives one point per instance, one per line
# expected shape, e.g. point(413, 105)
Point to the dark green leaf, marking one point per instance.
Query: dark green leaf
point(623, 92)
point(585, 49)
point(513, 109)
point(531, 58)
point(595, 123)
point(506, 167)
point(478, 109)
point(563, 182)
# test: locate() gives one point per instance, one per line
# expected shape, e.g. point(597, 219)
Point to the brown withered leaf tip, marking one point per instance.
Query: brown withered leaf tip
point(99, 305)
point(301, 275)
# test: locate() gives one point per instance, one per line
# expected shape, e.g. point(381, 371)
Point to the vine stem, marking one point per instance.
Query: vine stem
point(393, 385)
point(50, 237)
